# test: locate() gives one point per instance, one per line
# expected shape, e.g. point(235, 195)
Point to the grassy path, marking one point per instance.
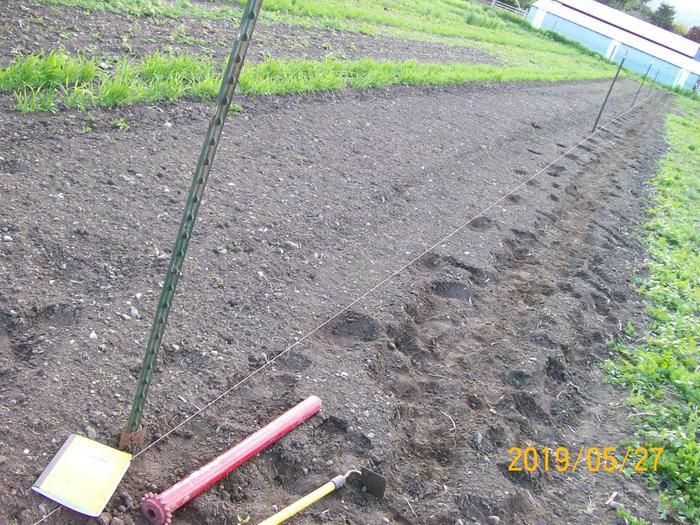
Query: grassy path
point(663, 371)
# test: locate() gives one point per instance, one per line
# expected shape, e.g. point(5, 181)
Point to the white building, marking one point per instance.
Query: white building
point(674, 60)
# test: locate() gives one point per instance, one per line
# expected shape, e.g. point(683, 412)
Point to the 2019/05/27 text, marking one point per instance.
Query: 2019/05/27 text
point(594, 459)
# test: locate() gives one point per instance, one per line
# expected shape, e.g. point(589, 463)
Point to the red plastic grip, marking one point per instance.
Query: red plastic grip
point(158, 508)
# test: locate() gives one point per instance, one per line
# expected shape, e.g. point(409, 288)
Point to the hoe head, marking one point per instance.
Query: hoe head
point(373, 482)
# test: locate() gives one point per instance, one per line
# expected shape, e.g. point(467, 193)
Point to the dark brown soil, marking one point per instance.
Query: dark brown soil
point(494, 340)
point(27, 27)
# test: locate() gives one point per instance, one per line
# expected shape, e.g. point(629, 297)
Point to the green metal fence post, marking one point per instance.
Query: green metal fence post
point(617, 74)
point(641, 85)
point(653, 83)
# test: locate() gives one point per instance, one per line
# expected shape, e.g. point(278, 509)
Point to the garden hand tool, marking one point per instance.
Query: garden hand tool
point(373, 482)
point(158, 508)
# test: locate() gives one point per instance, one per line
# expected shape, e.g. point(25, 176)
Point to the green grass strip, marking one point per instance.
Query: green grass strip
point(300, 76)
point(663, 372)
point(41, 82)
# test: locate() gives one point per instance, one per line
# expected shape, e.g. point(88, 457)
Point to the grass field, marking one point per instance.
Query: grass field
point(42, 82)
point(663, 370)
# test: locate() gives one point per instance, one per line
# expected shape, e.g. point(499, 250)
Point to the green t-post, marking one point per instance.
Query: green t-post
point(134, 431)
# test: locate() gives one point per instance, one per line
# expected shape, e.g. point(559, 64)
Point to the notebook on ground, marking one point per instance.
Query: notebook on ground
point(83, 475)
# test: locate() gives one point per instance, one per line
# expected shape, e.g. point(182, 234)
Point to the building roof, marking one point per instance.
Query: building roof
point(631, 37)
point(634, 25)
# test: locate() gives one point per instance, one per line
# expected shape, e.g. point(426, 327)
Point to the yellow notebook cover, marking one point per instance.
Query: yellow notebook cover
point(83, 475)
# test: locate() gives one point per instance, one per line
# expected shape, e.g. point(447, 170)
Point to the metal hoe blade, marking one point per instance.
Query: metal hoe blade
point(373, 482)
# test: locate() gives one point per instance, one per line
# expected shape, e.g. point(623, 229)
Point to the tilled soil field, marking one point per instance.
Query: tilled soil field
point(490, 341)
point(32, 27)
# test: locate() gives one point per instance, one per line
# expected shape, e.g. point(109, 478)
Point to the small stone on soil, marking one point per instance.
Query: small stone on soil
point(6, 238)
point(128, 500)
point(493, 520)
point(93, 335)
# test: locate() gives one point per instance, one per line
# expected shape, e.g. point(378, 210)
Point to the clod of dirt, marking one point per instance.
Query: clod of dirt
point(481, 224)
point(556, 370)
point(430, 261)
point(451, 290)
point(407, 339)
point(518, 379)
point(544, 341)
point(514, 198)
point(528, 407)
point(475, 402)
point(354, 327)
point(529, 480)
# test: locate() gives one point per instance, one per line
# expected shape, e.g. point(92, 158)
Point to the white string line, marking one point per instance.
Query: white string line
point(370, 290)
point(362, 296)
point(365, 294)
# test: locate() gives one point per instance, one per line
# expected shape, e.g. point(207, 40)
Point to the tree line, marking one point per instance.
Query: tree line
point(663, 16)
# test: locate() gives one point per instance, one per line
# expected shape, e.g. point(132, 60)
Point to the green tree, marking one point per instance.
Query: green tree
point(680, 29)
point(694, 34)
point(637, 8)
point(664, 16)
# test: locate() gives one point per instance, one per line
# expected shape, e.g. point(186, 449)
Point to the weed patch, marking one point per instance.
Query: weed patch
point(663, 373)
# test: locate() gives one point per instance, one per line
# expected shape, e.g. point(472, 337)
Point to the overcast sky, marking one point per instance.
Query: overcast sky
point(687, 11)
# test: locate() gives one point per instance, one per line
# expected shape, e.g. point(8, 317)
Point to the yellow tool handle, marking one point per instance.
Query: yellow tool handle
point(299, 505)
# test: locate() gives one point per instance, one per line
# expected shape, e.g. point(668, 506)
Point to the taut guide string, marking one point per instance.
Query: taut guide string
point(365, 294)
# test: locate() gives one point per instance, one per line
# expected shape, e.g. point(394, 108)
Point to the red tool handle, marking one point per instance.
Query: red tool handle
point(158, 508)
